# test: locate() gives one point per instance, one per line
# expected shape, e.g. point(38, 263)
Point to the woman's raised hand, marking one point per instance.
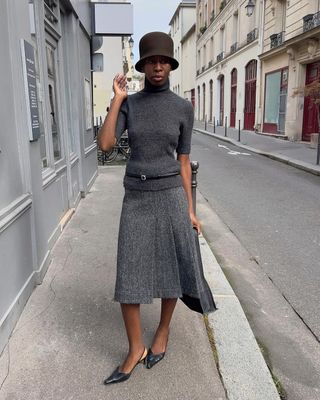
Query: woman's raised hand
point(120, 86)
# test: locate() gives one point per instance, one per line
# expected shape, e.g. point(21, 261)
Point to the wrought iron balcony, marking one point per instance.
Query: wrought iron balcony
point(276, 39)
point(311, 21)
point(220, 56)
point(210, 64)
point(251, 36)
point(203, 68)
point(233, 47)
point(198, 72)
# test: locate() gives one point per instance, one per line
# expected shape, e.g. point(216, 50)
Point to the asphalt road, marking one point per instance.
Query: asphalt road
point(274, 210)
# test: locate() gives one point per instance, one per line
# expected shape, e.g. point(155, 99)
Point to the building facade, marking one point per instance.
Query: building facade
point(47, 149)
point(102, 80)
point(290, 59)
point(182, 32)
point(227, 77)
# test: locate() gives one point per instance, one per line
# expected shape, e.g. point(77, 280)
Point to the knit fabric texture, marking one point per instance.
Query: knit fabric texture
point(159, 125)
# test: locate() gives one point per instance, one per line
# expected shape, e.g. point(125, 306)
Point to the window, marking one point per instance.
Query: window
point(35, 40)
point(222, 39)
point(211, 49)
point(204, 102)
point(235, 28)
point(198, 102)
point(206, 15)
point(53, 105)
point(211, 101)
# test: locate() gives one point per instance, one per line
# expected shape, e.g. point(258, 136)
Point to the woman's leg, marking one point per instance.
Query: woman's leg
point(160, 340)
point(131, 318)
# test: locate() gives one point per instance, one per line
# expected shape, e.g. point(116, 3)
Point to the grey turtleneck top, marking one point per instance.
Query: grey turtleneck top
point(159, 123)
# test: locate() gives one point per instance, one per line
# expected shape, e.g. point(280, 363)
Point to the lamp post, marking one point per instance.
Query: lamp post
point(250, 7)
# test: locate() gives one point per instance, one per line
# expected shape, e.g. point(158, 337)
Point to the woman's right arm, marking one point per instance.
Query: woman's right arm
point(107, 133)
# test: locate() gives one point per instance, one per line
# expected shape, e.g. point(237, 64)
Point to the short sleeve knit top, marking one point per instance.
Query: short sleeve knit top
point(159, 124)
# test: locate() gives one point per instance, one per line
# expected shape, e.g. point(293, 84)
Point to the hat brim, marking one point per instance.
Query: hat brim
point(173, 62)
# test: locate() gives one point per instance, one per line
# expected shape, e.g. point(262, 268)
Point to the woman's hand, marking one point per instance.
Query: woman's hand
point(120, 86)
point(195, 222)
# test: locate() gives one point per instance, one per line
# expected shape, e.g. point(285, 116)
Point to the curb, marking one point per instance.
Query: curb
point(243, 370)
point(287, 160)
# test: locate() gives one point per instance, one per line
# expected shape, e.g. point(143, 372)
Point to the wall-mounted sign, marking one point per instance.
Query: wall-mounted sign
point(29, 72)
point(112, 19)
point(97, 62)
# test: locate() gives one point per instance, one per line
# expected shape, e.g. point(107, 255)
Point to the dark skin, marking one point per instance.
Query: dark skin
point(156, 70)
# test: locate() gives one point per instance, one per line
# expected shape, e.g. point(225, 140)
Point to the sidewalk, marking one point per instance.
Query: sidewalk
point(70, 335)
point(296, 154)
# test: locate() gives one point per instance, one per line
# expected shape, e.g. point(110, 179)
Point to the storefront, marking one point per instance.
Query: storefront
point(275, 101)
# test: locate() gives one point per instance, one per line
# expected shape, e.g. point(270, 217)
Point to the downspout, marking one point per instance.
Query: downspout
point(260, 50)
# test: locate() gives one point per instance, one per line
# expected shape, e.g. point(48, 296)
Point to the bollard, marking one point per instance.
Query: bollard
point(194, 184)
point(239, 131)
point(214, 124)
point(205, 123)
point(225, 126)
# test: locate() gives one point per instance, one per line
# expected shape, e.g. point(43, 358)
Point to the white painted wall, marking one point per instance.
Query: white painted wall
point(102, 81)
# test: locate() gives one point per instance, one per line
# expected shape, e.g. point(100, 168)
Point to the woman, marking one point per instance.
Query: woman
point(156, 248)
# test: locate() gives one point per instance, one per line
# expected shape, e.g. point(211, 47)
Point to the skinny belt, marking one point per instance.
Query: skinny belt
point(144, 177)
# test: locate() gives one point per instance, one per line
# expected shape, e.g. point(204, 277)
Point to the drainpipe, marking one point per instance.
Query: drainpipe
point(259, 63)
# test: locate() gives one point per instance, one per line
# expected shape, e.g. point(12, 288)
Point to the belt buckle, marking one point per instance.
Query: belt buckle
point(143, 177)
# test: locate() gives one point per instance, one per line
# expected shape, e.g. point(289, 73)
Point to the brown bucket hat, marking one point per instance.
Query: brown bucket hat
point(156, 44)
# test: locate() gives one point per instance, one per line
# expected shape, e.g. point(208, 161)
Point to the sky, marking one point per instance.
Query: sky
point(151, 15)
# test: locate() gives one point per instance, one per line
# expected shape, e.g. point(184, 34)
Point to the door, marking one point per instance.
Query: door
point(310, 122)
point(204, 117)
point(193, 97)
point(233, 107)
point(211, 102)
point(221, 111)
point(250, 95)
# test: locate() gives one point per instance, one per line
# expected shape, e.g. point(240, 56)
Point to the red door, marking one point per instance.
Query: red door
point(233, 108)
point(250, 95)
point(221, 101)
point(310, 123)
point(193, 97)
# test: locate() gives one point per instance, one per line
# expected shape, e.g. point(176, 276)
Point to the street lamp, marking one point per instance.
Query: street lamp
point(250, 7)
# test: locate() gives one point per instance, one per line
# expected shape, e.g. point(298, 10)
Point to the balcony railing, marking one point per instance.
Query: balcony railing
point(198, 72)
point(233, 48)
point(311, 21)
point(210, 64)
point(276, 39)
point(220, 57)
point(203, 68)
point(251, 36)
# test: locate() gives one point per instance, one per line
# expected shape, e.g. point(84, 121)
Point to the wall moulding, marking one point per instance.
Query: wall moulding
point(14, 210)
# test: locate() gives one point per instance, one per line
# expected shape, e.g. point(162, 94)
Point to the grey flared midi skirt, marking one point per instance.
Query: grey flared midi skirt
point(157, 252)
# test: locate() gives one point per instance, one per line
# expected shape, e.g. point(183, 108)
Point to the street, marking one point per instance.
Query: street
point(273, 210)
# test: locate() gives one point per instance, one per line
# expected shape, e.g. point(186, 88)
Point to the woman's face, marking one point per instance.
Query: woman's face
point(157, 69)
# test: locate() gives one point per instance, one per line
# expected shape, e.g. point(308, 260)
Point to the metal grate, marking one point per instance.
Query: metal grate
point(276, 39)
point(311, 21)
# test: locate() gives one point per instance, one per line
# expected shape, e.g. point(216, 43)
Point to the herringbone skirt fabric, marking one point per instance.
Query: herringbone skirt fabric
point(157, 255)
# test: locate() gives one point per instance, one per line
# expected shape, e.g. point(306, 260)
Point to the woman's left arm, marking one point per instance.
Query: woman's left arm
point(186, 174)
